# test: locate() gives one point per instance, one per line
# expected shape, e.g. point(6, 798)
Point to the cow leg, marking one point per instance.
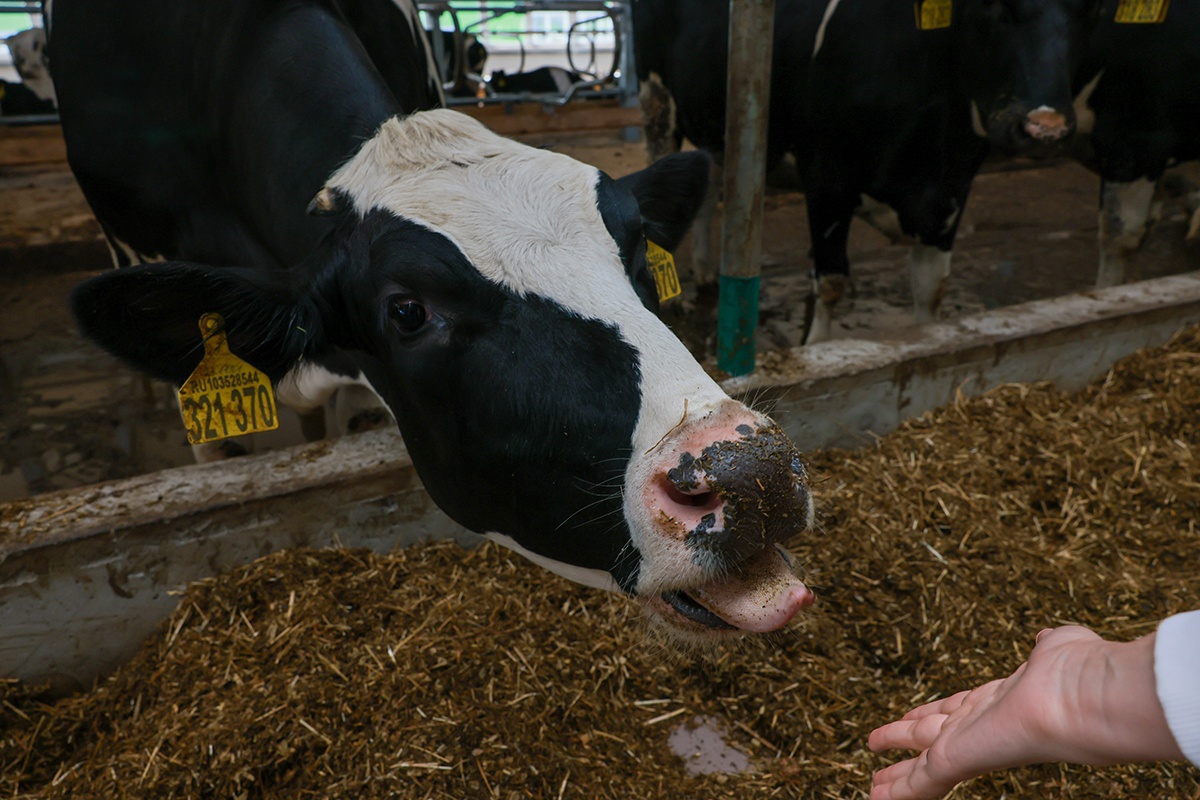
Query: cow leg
point(658, 118)
point(357, 409)
point(882, 218)
point(829, 226)
point(356, 406)
point(705, 266)
point(930, 266)
point(1124, 210)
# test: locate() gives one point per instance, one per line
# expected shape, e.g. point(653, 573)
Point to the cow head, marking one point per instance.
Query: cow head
point(495, 297)
point(1018, 58)
point(29, 58)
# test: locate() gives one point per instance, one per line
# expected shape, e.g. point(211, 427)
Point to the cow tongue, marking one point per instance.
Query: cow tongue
point(762, 596)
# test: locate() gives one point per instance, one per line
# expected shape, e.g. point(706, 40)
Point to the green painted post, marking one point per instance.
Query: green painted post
point(748, 93)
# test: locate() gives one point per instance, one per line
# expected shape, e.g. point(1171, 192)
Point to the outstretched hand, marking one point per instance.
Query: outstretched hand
point(1078, 699)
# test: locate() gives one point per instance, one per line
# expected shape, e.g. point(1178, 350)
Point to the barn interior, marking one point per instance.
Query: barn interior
point(173, 629)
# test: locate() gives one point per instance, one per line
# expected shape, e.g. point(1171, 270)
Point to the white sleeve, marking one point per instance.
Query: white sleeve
point(1177, 676)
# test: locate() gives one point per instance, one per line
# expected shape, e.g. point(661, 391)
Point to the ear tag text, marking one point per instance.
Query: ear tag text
point(224, 396)
point(1142, 11)
point(933, 14)
point(662, 267)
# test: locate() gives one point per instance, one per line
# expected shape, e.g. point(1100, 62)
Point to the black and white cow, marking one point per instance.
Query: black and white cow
point(1138, 99)
point(543, 402)
point(392, 34)
point(35, 93)
point(461, 58)
point(886, 119)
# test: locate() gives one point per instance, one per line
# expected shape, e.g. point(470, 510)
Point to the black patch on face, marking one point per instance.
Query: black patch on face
point(518, 413)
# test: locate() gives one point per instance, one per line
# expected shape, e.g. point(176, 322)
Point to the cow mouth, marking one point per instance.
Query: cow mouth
point(688, 608)
point(762, 595)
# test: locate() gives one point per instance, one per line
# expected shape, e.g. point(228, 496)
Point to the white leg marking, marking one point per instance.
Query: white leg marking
point(952, 219)
point(881, 217)
point(930, 268)
point(829, 9)
point(977, 121)
point(351, 400)
point(1125, 207)
point(822, 315)
point(115, 245)
point(1085, 118)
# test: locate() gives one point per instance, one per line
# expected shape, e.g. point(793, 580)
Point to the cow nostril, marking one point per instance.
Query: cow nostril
point(704, 500)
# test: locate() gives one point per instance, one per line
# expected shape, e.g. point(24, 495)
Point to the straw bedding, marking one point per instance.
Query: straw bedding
point(443, 673)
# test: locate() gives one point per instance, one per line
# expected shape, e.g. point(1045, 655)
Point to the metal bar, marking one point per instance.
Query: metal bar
point(748, 94)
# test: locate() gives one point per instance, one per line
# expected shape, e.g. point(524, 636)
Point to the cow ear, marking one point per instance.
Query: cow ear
point(669, 193)
point(149, 315)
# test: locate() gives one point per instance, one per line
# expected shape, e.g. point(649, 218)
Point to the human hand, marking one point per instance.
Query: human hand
point(1078, 699)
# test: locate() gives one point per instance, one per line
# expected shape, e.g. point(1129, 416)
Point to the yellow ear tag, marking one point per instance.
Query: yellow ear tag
point(1135, 11)
point(933, 14)
point(662, 267)
point(224, 396)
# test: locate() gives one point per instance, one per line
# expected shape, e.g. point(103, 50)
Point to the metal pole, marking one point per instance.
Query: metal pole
point(748, 94)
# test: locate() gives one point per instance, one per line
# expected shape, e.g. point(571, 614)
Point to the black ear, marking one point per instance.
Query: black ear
point(149, 317)
point(669, 193)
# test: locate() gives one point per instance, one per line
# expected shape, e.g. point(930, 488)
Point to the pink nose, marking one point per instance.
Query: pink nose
point(1046, 125)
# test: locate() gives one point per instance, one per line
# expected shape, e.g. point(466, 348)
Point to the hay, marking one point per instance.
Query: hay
point(443, 673)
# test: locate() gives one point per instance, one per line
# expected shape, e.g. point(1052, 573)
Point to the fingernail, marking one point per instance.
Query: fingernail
point(1040, 634)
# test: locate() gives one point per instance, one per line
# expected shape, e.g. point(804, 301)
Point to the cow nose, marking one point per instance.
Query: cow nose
point(737, 496)
point(687, 496)
point(1046, 125)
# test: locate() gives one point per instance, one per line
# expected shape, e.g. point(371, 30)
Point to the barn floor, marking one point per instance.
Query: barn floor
point(442, 673)
point(70, 415)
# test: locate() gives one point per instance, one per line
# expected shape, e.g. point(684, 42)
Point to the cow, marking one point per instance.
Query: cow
point(888, 113)
point(460, 58)
point(1139, 109)
point(543, 80)
point(391, 33)
point(29, 58)
point(257, 150)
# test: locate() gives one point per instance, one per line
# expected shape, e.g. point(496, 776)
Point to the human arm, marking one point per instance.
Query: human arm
point(1078, 699)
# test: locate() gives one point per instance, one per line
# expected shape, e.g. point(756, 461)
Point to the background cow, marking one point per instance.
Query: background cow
point(885, 118)
point(1139, 99)
point(35, 93)
point(542, 401)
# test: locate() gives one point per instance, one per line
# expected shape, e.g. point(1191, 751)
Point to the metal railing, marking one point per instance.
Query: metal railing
point(607, 27)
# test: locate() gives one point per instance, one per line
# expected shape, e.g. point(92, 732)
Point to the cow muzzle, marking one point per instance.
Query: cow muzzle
point(1044, 124)
point(723, 499)
point(1043, 132)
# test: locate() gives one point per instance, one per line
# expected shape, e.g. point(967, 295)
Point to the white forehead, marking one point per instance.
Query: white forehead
point(526, 218)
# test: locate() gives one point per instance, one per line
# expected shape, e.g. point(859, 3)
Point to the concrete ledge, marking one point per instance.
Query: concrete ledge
point(87, 574)
point(841, 393)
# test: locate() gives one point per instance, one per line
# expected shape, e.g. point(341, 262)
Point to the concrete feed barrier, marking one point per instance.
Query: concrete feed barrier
point(87, 574)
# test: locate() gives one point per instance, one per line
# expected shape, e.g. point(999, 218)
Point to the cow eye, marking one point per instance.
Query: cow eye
point(407, 314)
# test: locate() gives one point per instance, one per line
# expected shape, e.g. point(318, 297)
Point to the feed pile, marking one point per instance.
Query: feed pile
point(442, 673)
